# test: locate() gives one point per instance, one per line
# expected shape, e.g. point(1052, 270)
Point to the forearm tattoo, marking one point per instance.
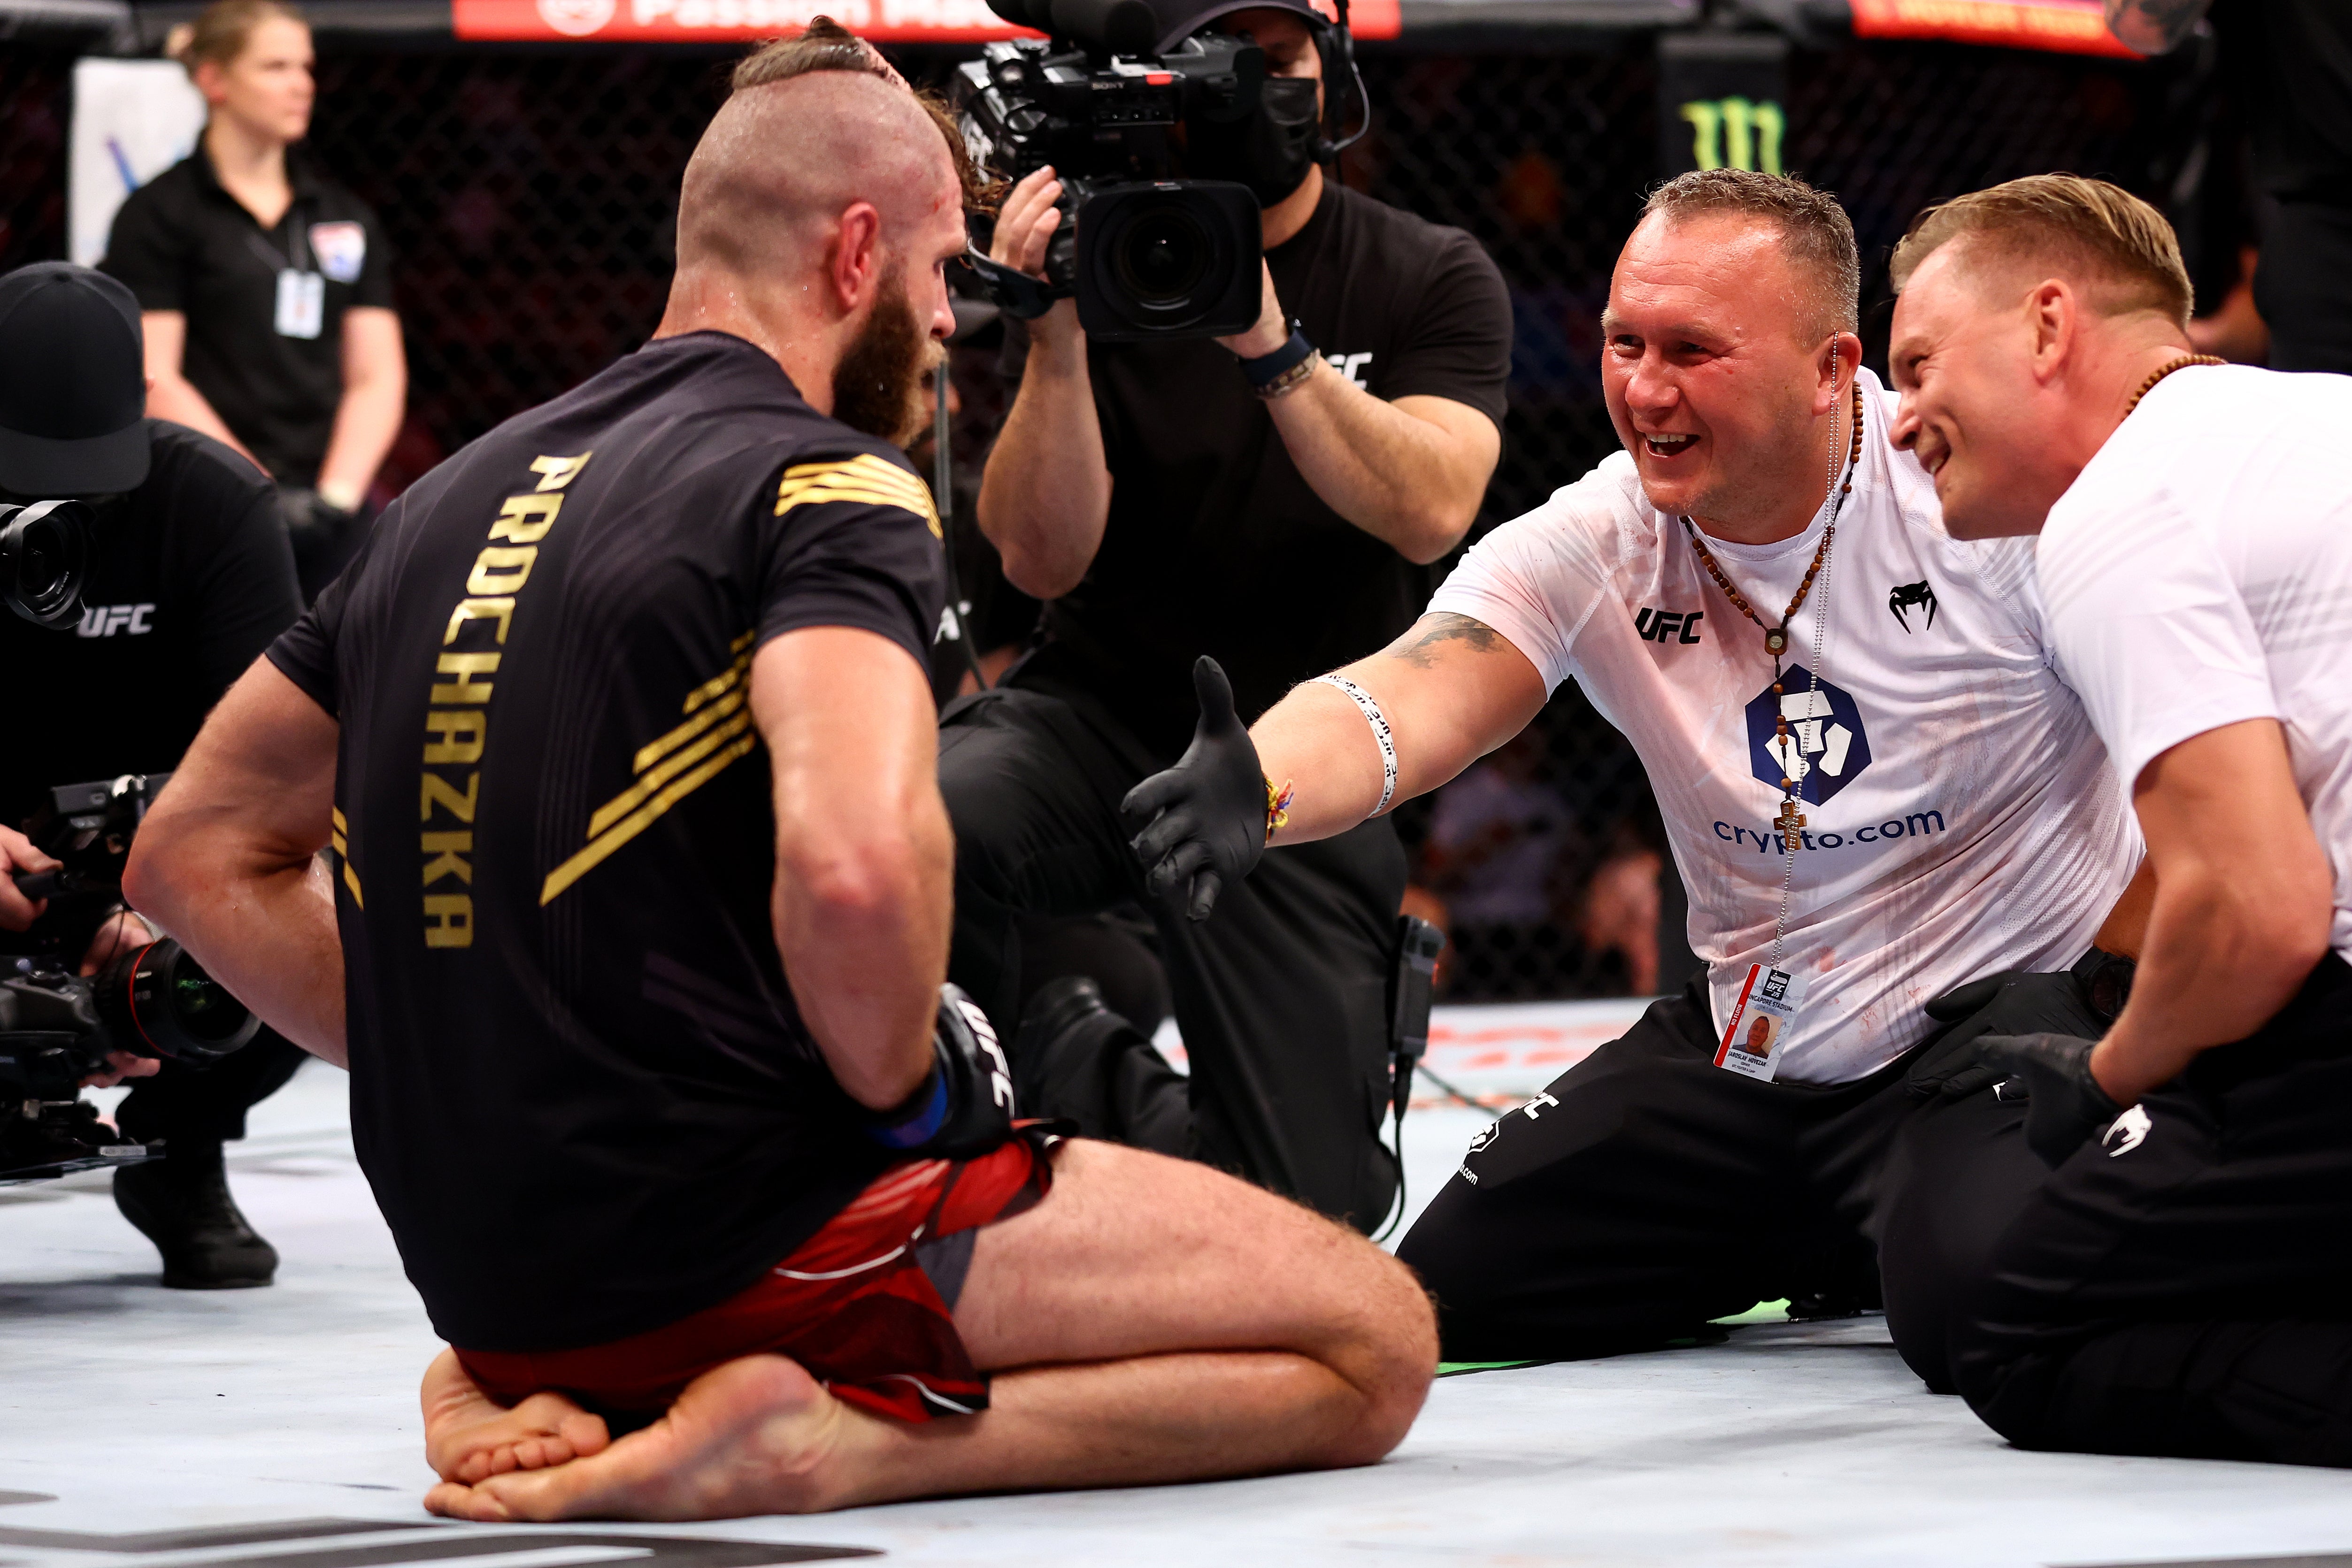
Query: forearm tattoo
point(1418, 647)
point(2153, 26)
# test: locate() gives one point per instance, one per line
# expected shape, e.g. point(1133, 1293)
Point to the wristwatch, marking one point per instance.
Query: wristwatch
point(1272, 376)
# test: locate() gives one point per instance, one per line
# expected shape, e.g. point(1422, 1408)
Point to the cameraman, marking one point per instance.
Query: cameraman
point(191, 576)
point(1166, 511)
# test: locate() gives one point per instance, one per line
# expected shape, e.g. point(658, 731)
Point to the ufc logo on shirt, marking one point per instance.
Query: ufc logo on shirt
point(1351, 366)
point(1669, 626)
point(105, 620)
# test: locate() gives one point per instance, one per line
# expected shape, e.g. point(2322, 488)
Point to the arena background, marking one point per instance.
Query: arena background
point(529, 193)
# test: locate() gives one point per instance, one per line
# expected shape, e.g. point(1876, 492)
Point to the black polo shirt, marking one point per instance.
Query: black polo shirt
point(580, 1087)
point(182, 243)
point(1215, 542)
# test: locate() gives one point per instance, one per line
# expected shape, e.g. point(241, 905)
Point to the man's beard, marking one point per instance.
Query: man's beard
point(875, 383)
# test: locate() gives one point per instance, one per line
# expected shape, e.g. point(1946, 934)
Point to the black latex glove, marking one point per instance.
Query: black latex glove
point(964, 1107)
point(2066, 1106)
point(1205, 818)
point(2014, 1002)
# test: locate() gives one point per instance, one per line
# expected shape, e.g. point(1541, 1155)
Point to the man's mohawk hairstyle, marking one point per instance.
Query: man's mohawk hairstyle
point(826, 45)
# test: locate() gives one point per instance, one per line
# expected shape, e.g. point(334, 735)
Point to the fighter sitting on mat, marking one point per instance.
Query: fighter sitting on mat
point(1875, 788)
point(2172, 1288)
point(635, 1009)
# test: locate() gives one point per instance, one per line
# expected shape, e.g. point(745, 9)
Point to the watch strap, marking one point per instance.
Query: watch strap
point(1266, 369)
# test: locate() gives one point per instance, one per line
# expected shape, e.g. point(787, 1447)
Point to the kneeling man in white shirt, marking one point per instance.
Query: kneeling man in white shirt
point(1897, 827)
point(2181, 1285)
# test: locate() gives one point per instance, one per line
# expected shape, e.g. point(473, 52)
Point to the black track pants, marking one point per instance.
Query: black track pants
point(2185, 1287)
point(207, 1105)
point(1282, 994)
point(1648, 1191)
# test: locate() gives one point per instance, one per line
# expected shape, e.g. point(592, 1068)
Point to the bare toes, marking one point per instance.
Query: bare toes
point(451, 1500)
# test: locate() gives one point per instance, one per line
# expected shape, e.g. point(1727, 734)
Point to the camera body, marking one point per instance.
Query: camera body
point(1146, 255)
point(58, 1028)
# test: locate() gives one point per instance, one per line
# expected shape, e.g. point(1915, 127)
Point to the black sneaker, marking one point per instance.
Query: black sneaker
point(1075, 1059)
point(182, 1203)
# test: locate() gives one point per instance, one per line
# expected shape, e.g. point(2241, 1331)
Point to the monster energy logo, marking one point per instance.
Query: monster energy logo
point(1735, 133)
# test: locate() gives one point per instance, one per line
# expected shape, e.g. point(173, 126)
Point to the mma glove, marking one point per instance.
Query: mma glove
point(2015, 1002)
point(964, 1107)
point(2066, 1106)
point(1205, 818)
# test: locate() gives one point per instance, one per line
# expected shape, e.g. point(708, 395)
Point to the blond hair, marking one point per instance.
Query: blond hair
point(1815, 234)
point(222, 29)
point(2067, 223)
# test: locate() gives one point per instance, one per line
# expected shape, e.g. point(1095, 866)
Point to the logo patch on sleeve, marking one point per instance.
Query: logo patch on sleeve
point(1827, 746)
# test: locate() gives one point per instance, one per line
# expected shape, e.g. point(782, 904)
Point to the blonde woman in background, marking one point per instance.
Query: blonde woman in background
point(265, 287)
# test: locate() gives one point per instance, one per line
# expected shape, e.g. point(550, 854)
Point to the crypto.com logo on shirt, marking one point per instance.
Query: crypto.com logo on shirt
point(1827, 747)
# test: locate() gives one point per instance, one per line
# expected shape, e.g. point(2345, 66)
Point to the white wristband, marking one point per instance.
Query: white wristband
point(1382, 733)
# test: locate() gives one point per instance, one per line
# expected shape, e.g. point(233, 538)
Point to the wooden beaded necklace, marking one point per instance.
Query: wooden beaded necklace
point(1776, 638)
point(1776, 642)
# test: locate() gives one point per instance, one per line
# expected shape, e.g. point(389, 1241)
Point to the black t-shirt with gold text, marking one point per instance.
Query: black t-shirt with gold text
point(580, 1087)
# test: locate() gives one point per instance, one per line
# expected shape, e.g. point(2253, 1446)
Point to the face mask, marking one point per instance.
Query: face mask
point(1270, 152)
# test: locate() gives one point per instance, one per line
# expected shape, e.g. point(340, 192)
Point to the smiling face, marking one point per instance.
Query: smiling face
point(1973, 411)
point(1714, 378)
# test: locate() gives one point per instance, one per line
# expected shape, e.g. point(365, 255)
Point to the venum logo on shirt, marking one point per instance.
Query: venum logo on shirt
point(1827, 748)
point(106, 620)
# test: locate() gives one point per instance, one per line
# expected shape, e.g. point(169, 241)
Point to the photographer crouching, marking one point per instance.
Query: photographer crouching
point(186, 574)
point(1273, 499)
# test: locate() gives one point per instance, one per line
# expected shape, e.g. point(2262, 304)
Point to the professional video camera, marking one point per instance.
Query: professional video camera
point(56, 1027)
point(44, 560)
point(1148, 256)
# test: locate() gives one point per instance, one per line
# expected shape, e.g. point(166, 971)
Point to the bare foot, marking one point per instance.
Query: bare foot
point(470, 1437)
point(756, 1435)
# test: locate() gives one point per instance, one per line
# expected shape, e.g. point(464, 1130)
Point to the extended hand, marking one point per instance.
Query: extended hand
point(2067, 1105)
point(1205, 818)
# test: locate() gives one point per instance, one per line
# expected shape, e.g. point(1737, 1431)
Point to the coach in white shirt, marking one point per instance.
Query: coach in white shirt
point(2183, 1283)
point(1874, 786)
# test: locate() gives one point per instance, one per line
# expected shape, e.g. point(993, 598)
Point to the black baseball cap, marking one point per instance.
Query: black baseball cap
point(1180, 19)
point(73, 383)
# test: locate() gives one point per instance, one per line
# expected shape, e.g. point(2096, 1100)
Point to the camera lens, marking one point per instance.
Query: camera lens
point(158, 1000)
point(44, 559)
point(1161, 257)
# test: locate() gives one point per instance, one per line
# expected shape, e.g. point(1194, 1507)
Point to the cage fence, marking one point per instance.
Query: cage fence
point(529, 197)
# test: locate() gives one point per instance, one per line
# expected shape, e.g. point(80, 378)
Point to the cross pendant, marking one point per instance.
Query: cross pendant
point(1788, 821)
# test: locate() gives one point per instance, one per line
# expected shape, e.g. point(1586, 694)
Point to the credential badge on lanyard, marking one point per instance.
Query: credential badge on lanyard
point(1760, 1021)
point(302, 291)
point(301, 304)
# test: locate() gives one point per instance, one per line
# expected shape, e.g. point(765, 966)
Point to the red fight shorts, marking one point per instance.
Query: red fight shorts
point(854, 1304)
